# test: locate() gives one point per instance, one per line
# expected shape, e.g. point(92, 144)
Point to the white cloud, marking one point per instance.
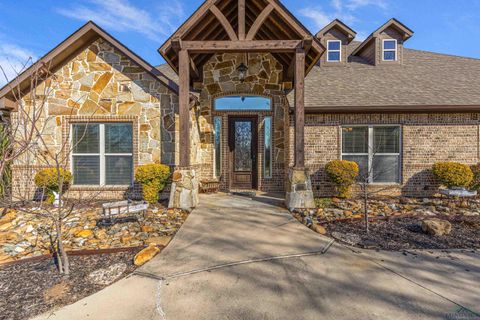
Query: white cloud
point(121, 15)
point(355, 4)
point(342, 9)
point(13, 61)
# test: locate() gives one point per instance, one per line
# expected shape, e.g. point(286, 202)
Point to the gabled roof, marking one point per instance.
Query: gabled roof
point(240, 21)
point(400, 27)
point(424, 82)
point(349, 32)
point(76, 42)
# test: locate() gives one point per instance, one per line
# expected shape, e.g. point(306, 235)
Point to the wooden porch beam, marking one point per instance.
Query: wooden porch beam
point(241, 19)
point(259, 21)
point(242, 46)
point(299, 108)
point(184, 107)
point(7, 104)
point(224, 22)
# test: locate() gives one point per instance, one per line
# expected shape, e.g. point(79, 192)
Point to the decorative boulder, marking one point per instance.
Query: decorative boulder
point(145, 255)
point(436, 227)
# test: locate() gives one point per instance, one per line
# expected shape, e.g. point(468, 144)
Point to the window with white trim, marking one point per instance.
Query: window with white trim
point(334, 50)
point(376, 150)
point(102, 153)
point(389, 50)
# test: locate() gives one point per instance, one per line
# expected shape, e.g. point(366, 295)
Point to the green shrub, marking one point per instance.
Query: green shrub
point(153, 178)
point(475, 184)
point(49, 180)
point(323, 202)
point(343, 173)
point(453, 174)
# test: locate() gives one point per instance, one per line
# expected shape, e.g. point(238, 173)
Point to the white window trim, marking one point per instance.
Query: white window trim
point(339, 51)
point(370, 150)
point(102, 155)
point(389, 50)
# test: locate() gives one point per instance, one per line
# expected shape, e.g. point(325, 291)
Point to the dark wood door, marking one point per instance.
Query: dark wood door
point(243, 146)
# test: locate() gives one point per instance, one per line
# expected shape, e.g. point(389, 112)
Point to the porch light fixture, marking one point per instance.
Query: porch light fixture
point(242, 71)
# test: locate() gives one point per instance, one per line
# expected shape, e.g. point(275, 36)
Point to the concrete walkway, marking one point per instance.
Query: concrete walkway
point(242, 258)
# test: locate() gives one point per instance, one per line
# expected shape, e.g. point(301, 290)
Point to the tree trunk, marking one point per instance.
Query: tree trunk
point(365, 208)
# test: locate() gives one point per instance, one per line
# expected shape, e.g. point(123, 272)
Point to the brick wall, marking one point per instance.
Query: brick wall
point(426, 139)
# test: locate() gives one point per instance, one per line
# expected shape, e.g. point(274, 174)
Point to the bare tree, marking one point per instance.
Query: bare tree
point(374, 172)
point(25, 147)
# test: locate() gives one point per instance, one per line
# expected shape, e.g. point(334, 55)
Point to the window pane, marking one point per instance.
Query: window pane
point(389, 44)
point(242, 103)
point(334, 45)
point(86, 170)
point(362, 162)
point(243, 146)
point(389, 55)
point(86, 138)
point(355, 139)
point(385, 168)
point(218, 144)
point(118, 170)
point(268, 147)
point(334, 56)
point(386, 140)
point(118, 138)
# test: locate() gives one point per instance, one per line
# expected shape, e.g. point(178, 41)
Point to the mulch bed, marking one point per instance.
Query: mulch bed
point(31, 288)
point(406, 233)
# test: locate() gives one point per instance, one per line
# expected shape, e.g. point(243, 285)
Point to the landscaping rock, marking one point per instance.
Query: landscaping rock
point(436, 227)
point(319, 229)
point(107, 275)
point(145, 255)
point(349, 238)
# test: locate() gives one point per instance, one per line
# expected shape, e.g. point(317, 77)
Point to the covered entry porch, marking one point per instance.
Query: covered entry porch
point(244, 50)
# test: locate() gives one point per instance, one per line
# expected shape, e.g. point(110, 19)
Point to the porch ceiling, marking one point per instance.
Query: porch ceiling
point(242, 25)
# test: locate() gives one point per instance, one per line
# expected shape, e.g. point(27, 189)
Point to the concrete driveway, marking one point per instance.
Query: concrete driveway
point(242, 258)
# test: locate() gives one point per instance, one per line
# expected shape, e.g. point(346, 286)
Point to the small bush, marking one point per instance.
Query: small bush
point(323, 202)
point(453, 174)
point(475, 184)
point(343, 173)
point(153, 178)
point(49, 180)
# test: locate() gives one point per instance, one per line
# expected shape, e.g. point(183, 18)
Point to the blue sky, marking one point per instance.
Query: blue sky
point(30, 28)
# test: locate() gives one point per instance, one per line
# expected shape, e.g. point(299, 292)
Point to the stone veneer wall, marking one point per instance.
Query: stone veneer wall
point(221, 79)
point(426, 139)
point(100, 84)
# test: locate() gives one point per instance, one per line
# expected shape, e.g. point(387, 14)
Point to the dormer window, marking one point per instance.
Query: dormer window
point(334, 50)
point(389, 50)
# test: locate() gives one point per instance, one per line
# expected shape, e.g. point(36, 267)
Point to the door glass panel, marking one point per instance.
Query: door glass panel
point(243, 146)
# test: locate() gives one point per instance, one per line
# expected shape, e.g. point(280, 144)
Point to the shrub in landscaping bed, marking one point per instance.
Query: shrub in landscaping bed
point(475, 184)
point(343, 173)
point(153, 178)
point(453, 174)
point(49, 179)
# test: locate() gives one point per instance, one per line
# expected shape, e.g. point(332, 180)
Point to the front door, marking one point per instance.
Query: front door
point(243, 144)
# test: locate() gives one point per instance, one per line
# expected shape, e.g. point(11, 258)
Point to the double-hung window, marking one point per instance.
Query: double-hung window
point(389, 50)
point(376, 150)
point(334, 48)
point(102, 154)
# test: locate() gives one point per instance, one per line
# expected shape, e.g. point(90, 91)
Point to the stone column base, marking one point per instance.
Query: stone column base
point(299, 190)
point(184, 192)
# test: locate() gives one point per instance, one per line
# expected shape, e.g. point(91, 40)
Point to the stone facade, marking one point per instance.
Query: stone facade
point(425, 139)
point(100, 84)
point(221, 79)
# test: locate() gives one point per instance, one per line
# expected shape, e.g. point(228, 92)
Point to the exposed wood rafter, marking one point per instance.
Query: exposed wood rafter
point(226, 25)
point(258, 22)
point(241, 19)
point(242, 46)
